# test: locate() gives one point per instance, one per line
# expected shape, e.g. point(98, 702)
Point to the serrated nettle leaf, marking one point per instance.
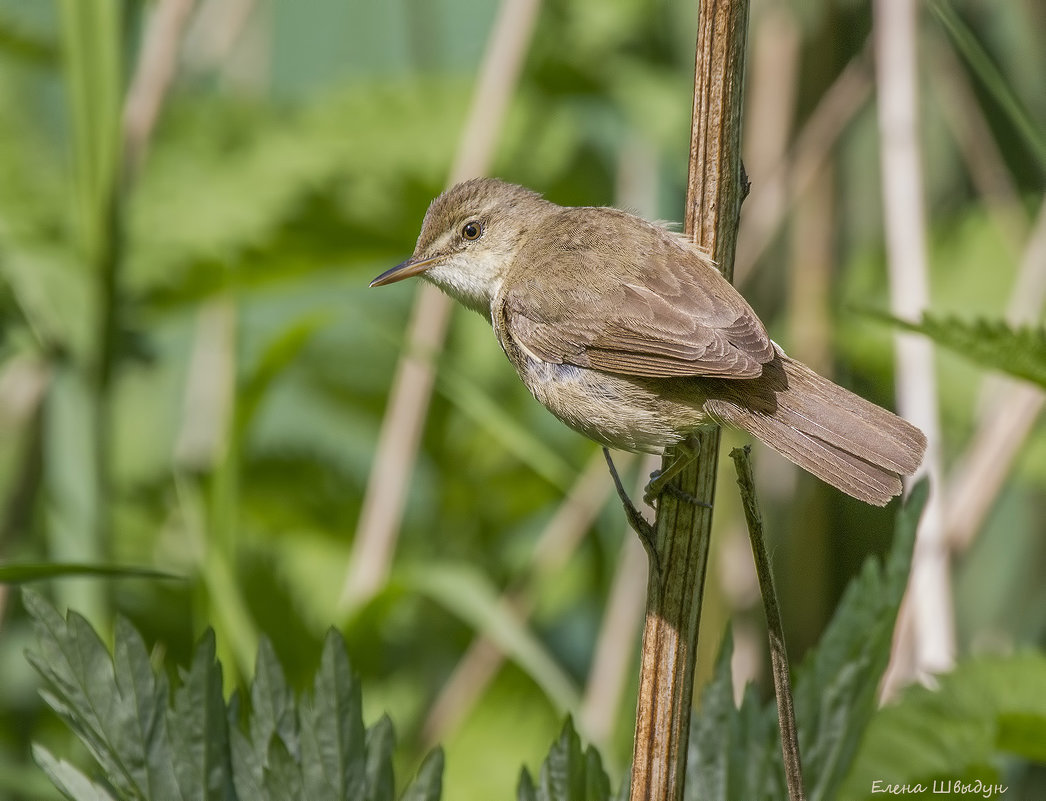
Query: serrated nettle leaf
point(272, 705)
point(525, 789)
point(597, 783)
point(283, 777)
point(1021, 352)
point(735, 754)
point(983, 712)
point(79, 673)
point(379, 743)
point(732, 751)
point(248, 770)
point(192, 747)
point(140, 730)
point(836, 686)
point(332, 734)
point(428, 784)
point(68, 779)
point(568, 773)
point(199, 728)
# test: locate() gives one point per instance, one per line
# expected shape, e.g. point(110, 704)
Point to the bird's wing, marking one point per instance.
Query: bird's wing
point(655, 308)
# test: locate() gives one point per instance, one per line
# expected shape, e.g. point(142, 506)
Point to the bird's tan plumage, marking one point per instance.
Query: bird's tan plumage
point(629, 334)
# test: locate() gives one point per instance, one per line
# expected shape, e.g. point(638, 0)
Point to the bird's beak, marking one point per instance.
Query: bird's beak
point(408, 269)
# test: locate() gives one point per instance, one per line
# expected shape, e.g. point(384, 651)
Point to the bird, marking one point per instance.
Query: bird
point(628, 333)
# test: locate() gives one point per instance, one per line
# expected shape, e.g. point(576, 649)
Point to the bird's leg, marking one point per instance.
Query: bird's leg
point(635, 518)
point(685, 454)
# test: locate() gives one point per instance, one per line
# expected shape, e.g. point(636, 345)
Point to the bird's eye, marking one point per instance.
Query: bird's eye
point(472, 230)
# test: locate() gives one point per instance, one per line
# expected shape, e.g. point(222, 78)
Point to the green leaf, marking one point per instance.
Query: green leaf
point(836, 686)
point(80, 685)
point(272, 706)
point(381, 785)
point(194, 749)
point(985, 708)
point(248, 767)
point(1022, 733)
point(139, 733)
point(428, 784)
point(199, 729)
point(1021, 352)
point(68, 779)
point(467, 593)
point(568, 773)
point(38, 571)
point(283, 778)
point(525, 790)
point(332, 735)
point(735, 755)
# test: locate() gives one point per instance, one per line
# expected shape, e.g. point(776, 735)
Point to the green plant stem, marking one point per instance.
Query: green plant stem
point(774, 629)
point(715, 189)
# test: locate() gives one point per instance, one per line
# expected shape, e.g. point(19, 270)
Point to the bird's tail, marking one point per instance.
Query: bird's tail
point(841, 438)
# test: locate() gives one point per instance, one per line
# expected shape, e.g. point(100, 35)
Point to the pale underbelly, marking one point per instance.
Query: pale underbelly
point(617, 411)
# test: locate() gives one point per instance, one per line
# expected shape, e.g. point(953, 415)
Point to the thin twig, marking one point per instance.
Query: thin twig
point(774, 628)
point(400, 434)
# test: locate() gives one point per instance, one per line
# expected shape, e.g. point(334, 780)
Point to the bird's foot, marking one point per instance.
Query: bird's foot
point(660, 479)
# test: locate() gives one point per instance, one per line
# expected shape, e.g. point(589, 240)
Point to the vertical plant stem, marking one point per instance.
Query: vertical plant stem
point(715, 189)
point(774, 628)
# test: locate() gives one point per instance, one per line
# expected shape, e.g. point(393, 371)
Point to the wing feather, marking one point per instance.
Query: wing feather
point(589, 302)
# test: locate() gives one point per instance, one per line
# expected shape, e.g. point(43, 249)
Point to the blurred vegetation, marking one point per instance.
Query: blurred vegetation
point(193, 371)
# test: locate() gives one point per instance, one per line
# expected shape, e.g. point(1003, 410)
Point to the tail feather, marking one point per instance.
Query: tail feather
point(841, 438)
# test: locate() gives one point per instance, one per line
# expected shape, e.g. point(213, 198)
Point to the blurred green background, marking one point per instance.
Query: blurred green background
point(193, 371)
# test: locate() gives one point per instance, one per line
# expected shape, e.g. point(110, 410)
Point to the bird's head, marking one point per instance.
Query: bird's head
point(469, 239)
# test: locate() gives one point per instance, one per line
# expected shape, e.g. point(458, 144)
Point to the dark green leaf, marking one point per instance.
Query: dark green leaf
point(140, 727)
point(1023, 733)
point(248, 769)
point(525, 790)
point(428, 784)
point(733, 754)
point(332, 734)
point(198, 725)
point(68, 779)
point(836, 686)
point(381, 785)
point(283, 779)
point(568, 773)
point(37, 571)
point(272, 705)
point(985, 708)
point(1021, 352)
point(79, 684)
